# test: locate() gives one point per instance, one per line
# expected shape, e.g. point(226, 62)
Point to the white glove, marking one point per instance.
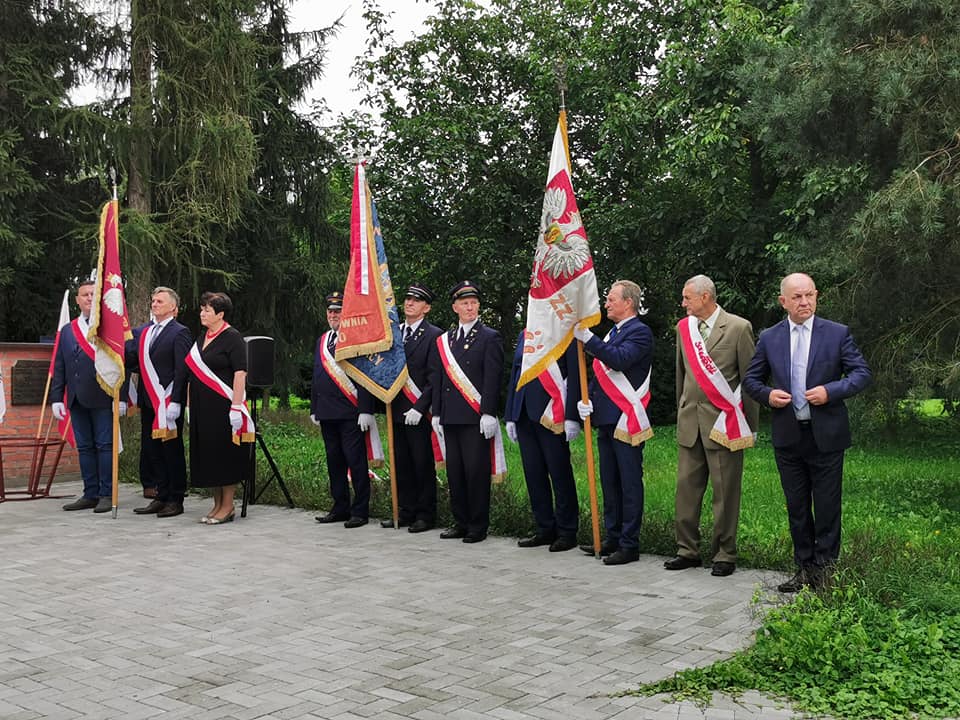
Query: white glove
point(571, 429)
point(488, 426)
point(122, 408)
point(236, 420)
point(512, 430)
point(314, 420)
point(412, 417)
point(173, 413)
point(437, 427)
point(59, 411)
point(585, 409)
point(582, 334)
point(365, 421)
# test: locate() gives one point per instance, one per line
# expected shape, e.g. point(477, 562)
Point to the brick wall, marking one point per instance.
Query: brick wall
point(21, 420)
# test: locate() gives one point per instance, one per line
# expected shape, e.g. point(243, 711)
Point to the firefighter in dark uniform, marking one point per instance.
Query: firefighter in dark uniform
point(410, 414)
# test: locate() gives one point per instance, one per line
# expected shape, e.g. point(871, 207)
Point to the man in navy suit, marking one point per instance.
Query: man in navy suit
point(812, 365)
point(410, 410)
point(91, 409)
point(161, 389)
point(544, 436)
point(465, 401)
point(621, 380)
point(343, 412)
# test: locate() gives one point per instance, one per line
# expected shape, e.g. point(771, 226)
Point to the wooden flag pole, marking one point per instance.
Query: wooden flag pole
point(588, 439)
point(394, 500)
point(116, 452)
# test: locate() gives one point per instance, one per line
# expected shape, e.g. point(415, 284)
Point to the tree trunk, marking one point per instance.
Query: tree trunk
point(139, 199)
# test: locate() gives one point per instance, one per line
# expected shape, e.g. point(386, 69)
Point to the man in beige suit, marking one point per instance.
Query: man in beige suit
point(714, 424)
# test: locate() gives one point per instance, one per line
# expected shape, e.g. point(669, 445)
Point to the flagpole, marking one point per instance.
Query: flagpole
point(588, 438)
point(394, 500)
point(116, 394)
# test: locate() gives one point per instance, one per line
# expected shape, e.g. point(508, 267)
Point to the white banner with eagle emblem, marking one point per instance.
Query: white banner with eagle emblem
point(563, 285)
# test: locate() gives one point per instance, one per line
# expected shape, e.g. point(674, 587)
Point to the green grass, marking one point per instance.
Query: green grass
point(883, 641)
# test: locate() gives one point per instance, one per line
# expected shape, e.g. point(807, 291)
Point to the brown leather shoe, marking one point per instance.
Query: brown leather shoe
point(170, 509)
point(155, 506)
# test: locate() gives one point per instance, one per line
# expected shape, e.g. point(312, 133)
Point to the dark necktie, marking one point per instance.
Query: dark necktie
point(407, 332)
point(332, 342)
point(460, 336)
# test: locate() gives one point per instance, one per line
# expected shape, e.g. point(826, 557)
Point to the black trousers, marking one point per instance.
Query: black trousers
point(416, 472)
point(468, 475)
point(549, 477)
point(621, 476)
point(162, 464)
point(812, 483)
point(346, 449)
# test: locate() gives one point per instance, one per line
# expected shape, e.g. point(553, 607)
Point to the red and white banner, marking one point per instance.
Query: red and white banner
point(731, 428)
point(109, 326)
point(555, 386)
point(63, 426)
point(563, 285)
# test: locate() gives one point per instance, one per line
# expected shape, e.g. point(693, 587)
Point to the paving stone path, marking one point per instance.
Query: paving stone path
point(275, 616)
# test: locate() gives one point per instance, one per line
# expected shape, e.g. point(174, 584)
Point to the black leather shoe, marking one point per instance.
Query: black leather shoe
point(722, 568)
point(170, 509)
point(355, 522)
point(474, 537)
point(562, 544)
point(682, 563)
point(796, 583)
point(104, 504)
point(535, 541)
point(454, 533)
point(388, 523)
point(622, 557)
point(81, 504)
point(420, 526)
point(331, 518)
point(606, 548)
point(155, 506)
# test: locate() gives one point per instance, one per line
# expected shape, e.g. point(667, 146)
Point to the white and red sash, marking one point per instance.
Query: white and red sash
point(413, 393)
point(349, 390)
point(633, 427)
point(158, 395)
point(555, 386)
point(498, 459)
point(203, 373)
point(80, 333)
point(731, 428)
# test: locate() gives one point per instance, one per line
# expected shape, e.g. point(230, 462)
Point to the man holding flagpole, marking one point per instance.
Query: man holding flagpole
point(91, 409)
point(619, 395)
point(413, 435)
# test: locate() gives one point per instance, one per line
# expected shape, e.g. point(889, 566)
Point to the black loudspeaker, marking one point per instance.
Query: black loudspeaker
point(259, 361)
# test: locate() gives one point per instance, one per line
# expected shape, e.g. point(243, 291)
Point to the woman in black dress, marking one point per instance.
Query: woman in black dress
point(217, 461)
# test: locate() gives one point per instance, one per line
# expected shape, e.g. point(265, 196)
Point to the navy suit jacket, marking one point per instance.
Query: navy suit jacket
point(327, 402)
point(73, 370)
point(482, 361)
point(834, 361)
point(420, 350)
point(532, 399)
point(631, 352)
point(168, 352)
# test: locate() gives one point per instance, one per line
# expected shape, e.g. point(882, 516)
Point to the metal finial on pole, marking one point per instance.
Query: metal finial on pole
point(113, 180)
point(358, 156)
point(560, 69)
